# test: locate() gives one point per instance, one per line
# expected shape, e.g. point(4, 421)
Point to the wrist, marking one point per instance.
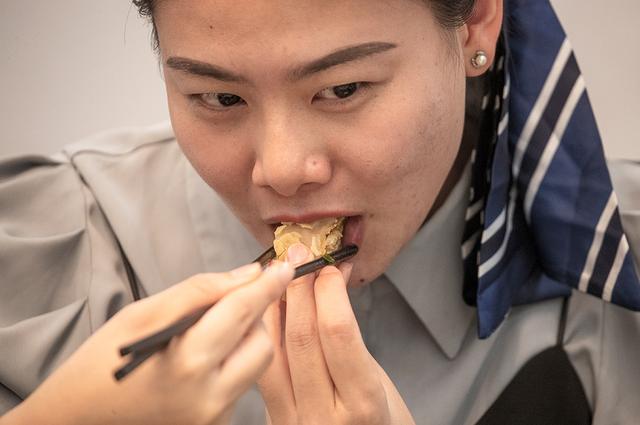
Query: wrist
point(28, 413)
point(17, 416)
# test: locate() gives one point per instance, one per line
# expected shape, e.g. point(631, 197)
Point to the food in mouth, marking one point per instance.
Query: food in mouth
point(321, 237)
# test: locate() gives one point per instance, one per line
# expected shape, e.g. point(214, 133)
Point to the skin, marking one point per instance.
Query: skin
point(391, 153)
point(195, 380)
point(383, 153)
point(290, 148)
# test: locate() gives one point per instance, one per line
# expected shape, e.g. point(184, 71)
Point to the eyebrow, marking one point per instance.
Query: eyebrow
point(339, 57)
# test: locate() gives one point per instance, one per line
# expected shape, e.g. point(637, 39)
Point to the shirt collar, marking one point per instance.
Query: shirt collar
point(428, 272)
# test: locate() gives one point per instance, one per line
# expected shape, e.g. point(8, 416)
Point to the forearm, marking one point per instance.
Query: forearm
point(28, 414)
point(14, 416)
point(19, 415)
point(36, 410)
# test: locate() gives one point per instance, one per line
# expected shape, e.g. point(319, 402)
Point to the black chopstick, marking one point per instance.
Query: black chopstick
point(146, 347)
point(327, 260)
point(160, 339)
point(137, 360)
point(265, 258)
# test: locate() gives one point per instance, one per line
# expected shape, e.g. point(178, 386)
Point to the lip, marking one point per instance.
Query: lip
point(353, 230)
point(309, 217)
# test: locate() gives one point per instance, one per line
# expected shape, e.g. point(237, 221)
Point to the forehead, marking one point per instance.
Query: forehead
point(220, 24)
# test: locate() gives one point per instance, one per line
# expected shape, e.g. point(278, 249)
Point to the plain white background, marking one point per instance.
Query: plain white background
point(71, 68)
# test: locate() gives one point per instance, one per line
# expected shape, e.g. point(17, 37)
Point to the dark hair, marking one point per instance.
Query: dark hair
point(146, 9)
point(451, 14)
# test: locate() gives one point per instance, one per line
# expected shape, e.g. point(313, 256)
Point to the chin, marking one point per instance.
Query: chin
point(358, 280)
point(364, 272)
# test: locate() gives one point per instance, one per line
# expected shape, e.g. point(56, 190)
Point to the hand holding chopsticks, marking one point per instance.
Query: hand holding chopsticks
point(194, 379)
point(146, 347)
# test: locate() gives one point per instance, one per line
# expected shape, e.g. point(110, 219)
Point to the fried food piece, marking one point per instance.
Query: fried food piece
point(321, 237)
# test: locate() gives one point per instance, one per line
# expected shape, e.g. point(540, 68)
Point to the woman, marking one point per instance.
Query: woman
point(309, 110)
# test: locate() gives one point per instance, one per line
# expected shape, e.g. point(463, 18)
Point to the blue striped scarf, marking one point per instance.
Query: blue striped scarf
point(543, 217)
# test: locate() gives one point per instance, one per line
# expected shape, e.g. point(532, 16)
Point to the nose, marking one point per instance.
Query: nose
point(291, 156)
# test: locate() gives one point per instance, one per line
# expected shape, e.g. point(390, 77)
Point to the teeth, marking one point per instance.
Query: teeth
point(321, 237)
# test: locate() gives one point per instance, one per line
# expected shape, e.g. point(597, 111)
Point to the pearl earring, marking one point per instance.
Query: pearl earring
point(479, 60)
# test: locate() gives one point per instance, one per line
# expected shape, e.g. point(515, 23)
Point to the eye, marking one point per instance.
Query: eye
point(219, 100)
point(342, 91)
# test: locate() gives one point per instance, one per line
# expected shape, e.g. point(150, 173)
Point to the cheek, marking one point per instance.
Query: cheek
point(222, 158)
point(415, 140)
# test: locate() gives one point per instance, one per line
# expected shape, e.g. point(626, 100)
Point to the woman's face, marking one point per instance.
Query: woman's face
point(295, 110)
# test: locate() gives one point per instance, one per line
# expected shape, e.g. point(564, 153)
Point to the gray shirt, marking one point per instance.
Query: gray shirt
point(64, 219)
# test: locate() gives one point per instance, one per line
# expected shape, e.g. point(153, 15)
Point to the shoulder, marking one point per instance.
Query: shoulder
point(42, 214)
point(603, 343)
point(33, 185)
point(44, 196)
point(625, 176)
point(60, 261)
point(603, 339)
point(111, 153)
point(55, 239)
point(123, 141)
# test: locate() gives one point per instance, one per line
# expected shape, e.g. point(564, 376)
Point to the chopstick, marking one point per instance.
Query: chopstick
point(162, 337)
point(327, 260)
point(143, 349)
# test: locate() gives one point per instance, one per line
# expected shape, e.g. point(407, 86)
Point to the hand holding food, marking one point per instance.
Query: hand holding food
point(322, 371)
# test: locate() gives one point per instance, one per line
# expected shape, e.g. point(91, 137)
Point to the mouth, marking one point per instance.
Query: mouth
point(321, 233)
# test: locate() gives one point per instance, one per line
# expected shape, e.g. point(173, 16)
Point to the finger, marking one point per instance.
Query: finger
point(275, 383)
point(245, 364)
point(349, 363)
point(312, 386)
point(166, 307)
point(195, 292)
point(225, 324)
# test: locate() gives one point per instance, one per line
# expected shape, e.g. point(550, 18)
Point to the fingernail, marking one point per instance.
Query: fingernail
point(297, 253)
point(282, 270)
point(246, 272)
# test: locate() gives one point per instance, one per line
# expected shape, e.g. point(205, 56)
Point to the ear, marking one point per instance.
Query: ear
point(480, 33)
